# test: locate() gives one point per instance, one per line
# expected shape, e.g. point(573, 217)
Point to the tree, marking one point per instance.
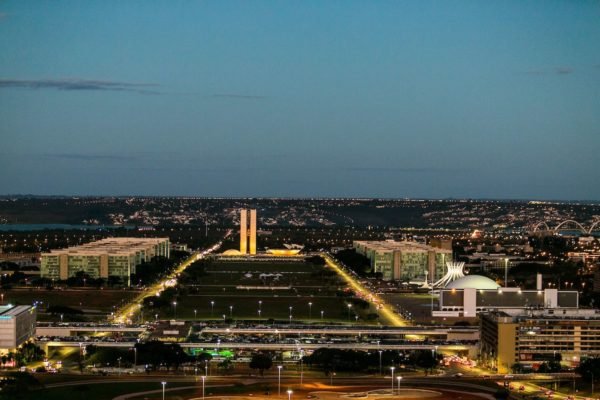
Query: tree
point(261, 362)
point(17, 384)
point(517, 368)
point(501, 394)
point(29, 352)
point(589, 369)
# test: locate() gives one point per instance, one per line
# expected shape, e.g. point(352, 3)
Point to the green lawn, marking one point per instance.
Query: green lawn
point(227, 284)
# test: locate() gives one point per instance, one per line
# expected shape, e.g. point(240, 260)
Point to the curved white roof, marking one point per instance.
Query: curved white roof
point(473, 282)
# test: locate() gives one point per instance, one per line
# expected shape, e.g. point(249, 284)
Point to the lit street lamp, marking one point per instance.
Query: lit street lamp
point(212, 307)
point(349, 307)
point(380, 351)
point(175, 309)
point(322, 312)
point(279, 380)
point(195, 313)
point(203, 379)
point(399, 379)
point(392, 368)
point(230, 311)
point(309, 310)
point(163, 387)
point(289, 392)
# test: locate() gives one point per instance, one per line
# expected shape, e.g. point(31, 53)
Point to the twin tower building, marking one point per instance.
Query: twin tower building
point(247, 231)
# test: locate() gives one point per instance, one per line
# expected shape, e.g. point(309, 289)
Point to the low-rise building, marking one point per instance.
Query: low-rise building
point(533, 337)
point(107, 257)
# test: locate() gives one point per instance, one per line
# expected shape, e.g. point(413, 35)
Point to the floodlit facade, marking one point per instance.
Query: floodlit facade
point(17, 325)
point(536, 336)
point(247, 231)
point(404, 260)
point(103, 258)
point(469, 299)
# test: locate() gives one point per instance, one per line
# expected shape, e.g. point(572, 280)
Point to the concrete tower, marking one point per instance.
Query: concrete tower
point(243, 231)
point(247, 231)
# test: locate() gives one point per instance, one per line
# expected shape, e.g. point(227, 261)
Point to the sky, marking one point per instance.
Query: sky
point(419, 99)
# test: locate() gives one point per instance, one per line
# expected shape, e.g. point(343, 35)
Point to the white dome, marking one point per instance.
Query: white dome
point(473, 282)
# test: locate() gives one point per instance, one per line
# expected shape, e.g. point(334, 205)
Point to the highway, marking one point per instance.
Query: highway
point(276, 346)
point(333, 330)
point(383, 308)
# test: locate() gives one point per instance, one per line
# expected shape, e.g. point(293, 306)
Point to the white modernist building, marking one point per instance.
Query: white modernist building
point(454, 272)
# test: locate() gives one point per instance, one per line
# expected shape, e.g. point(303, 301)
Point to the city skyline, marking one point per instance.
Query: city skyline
point(311, 99)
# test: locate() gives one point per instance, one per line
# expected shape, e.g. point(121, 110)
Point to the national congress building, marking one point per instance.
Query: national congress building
point(107, 257)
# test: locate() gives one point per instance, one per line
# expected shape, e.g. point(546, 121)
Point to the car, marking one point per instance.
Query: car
point(457, 375)
point(522, 387)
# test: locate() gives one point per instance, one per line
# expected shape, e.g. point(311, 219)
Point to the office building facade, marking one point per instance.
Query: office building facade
point(247, 231)
point(537, 336)
point(405, 260)
point(17, 325)
point(117, 257)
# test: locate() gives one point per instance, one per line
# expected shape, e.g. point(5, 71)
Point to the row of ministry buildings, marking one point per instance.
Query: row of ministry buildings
point(116, 257)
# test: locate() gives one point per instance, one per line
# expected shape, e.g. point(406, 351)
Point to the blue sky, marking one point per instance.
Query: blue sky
point(427, 99)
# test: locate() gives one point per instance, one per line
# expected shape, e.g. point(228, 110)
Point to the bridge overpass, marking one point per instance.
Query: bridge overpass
point(454, 348)
point(449, 333)
point(73, 330)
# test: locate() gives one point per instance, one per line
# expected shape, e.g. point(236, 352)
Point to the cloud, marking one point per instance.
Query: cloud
point(563, 70)
point(557, 70)
point(400, 169)
point(238, 96)
point(79, 84)
point(90, 157)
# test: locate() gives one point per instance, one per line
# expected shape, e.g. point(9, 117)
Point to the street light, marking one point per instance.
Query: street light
point(301, 366)
point(203, 379)
point(175, 309)
point(230, 311)
point(289, 392)
point(163, 387)
point(349, 307)
point(309, 310)
point(392, 368)
point(195, 313)
point(399, 379)
point(212, 307)
point(506, 272)
point(380, 351)
point(279, 379)
point(322, 312)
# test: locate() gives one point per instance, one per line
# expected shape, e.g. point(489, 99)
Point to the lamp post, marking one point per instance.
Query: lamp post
point(289, 392)
point(212, 307)
point(230, 311)
point(175, 309)
point(380, 368)
point(322, 312)
point(203, 379)
point(506, 272)
point(301, 366)
point(349, 307)
point(309, 310)
point(195, 314)
point(392, 368)
point(163, 387)
point(399, 379)
point(279, 380)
